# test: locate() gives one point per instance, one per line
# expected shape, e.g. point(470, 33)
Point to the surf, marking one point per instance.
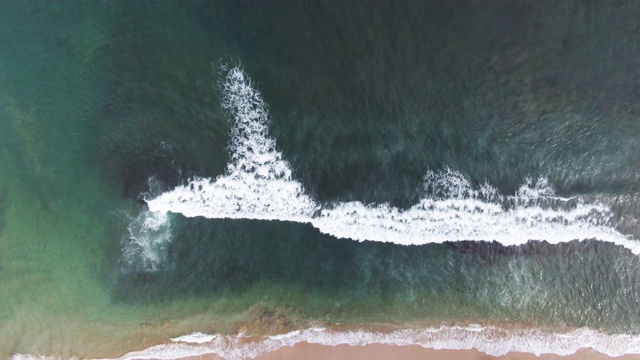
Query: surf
point(259, 184)
point(491, 340)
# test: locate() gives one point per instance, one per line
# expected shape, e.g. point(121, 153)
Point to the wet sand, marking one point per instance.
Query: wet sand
point(383, 352)
point(376, 341)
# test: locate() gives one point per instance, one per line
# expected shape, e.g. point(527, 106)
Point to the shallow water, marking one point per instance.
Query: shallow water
point(379, 117)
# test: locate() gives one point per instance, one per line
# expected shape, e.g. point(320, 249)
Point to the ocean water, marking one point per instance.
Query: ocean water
point(450, 174)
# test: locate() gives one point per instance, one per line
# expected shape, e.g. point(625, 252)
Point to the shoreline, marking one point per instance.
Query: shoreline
point(369, 341)
point(382, 351)
point(307, 350)
point(470, 342)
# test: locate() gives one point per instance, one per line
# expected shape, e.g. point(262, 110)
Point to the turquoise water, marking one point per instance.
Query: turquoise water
point(98, 98)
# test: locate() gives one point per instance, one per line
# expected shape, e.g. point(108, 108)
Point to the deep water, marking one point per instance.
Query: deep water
point(97, 98)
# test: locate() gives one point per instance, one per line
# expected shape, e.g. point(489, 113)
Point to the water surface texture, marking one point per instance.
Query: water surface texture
point(459, 173)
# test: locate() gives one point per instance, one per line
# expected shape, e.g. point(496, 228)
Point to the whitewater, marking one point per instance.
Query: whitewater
point(259, 184)
point(491, 340)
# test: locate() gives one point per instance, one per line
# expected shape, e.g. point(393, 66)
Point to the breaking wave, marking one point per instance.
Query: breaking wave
point(258, 184)
point(148, 235)
point(490, 340)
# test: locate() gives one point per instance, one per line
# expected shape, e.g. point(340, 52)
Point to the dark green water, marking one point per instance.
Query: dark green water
point(364, 98)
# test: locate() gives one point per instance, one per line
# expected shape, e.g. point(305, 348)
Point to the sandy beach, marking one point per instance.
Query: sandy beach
point(409, 352)
point(477, 343)
point(380, 351)
point(384, 341)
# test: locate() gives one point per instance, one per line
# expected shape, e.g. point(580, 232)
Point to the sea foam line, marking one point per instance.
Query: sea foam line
point(258, 184)
point(491, 340)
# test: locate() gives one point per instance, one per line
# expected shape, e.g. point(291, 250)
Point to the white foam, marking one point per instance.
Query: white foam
point(287, 335)
point(195, 338)
point(148, 234)
point(258, 184)
point(437, 221)
point(491, 340)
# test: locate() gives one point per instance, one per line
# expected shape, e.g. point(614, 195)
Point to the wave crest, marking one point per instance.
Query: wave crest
point(258, 184)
